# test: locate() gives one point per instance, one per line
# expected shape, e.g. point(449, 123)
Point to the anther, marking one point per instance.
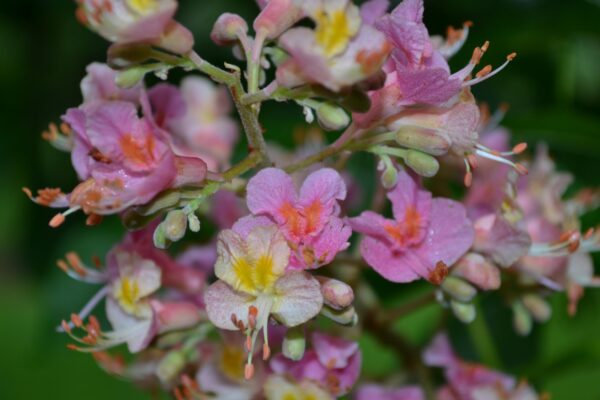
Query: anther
point(266, 351)
point(249, 371)
point(76, 320)
point(57, 221)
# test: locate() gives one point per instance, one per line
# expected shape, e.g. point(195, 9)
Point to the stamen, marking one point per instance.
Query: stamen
point(59, 219)
point(496, 156)
point(248, 371)
point(479, 79)
point(85, 311)
point(468, 174)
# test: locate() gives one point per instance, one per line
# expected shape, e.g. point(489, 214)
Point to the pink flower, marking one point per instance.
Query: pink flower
point(466, 381)
point(341, 51)
point(372, 392)
point(122, 160)
point(254, 286)
point(425, 236)
point(136, 21)
point(333, 363)
point(309, 221)
point(197, 118)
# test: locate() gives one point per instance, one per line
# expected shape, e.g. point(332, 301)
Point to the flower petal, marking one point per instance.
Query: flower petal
point(298, 298)
point(270, 190)
point(222, 302)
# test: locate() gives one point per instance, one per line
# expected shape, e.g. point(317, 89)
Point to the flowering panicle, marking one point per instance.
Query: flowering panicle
point(163, 159)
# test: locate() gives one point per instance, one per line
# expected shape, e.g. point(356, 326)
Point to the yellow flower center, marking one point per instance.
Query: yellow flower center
point(142, 6)
point(127, 293)
point(255, 276)
point(232, 362)
point(333, 31)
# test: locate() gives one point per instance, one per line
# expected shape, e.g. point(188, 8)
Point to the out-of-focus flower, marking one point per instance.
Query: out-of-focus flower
point(424, 238)
point(279, 388)
point(372, 392)
point(467, 381)
point(197, 119)
point(254, 286)
point(136, 21)
point(222, 372)
point(559, 257)
point(333, 363)
point(341, 51)
point(309, 221)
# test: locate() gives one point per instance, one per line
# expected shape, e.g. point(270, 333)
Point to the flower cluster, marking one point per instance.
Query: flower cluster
point(290, 236)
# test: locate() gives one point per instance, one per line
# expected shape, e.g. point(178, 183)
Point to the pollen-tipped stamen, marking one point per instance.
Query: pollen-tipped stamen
point(488, 73)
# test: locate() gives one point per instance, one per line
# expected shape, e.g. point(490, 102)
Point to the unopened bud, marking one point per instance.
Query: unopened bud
point(227, 29)
point(294, 344)
point(276, 17)
point(175, 225)
point(389, 176)
point(332, 117)
point(336, 294)
point(175, 315)
point(465, 312)
point(193, 223)
point(130, 77)
point(423, 164)
point(458, 289)
point(169, 368)
point(537, 307)
point(522, 320)
point(346, 316)
point(425, 140)
point(160, 238)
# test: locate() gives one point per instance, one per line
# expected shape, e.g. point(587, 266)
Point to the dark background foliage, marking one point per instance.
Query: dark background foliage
point(554, 91)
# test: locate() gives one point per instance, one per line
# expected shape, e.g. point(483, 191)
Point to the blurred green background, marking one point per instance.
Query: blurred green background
point(554, 91)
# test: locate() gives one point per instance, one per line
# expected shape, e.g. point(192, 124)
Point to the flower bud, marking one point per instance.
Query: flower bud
point(228, 28)
point(175, 315)
point(160, 238)
point(332, 117)
point(347, 316)
point(537, 307)
point(389, 176)
point(458, 289)
point(169, 368)
point(336, 294)
point(194, 223)
point(276, 17)
point(294, 344)
point(175, 225)
point(423, 164)
point(475, 269)
point(465, 312)
point(425, 140)
point(522, 320)
point(130, 77)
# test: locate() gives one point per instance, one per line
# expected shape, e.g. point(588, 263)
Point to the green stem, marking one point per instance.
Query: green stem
point(211, 70)
point(251, 161)
point(413, 305)
point(247, 115)
point(333, 150)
